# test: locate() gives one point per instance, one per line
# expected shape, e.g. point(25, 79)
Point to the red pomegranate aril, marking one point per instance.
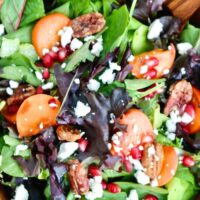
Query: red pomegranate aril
point(38, 63)
point(13, 108)
point(54, 55)
point(136, 153)
point(45, 74)
point(151, 96)
point(152, 62)
point(83, 143)
point(150, 197)
point(69, 51)
point(93, 170)
point(48, 61)
point(39, 90)
point(152, 73)
point(128, 165)
point(188, 161)
point(113, 188)
point(189, 109)
point(62, 55)
point(104, 184)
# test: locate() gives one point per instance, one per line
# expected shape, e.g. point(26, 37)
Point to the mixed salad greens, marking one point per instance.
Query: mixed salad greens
point(99, 99)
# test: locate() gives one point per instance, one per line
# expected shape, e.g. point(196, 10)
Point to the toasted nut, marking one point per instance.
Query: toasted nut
point(68, 133)
point(88, 24)
point(78, 178)
point(152, 159)
point(20, 94)
point(181, 94)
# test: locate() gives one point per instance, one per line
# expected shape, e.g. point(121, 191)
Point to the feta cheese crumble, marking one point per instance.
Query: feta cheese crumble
point(155, 29)
point(142, 178)
point(76, 44)
point(48, 86)
point(9, 91)
point(66, 150)
point(21, 193)
point(20, 147)
point(93, 85)
point(13, 84)
point(184, 47)
point(97, 49)
point(66, 36)
point(81, 109)
point(133, 195)
point(2, 29)
point(108, 76)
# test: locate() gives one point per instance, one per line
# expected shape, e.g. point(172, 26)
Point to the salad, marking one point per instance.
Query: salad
point(99, 99)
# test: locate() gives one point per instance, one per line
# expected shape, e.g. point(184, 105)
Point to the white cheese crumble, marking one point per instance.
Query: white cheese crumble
point(96, 188)
point(63, 65)
point(133, 195)
point(77, 81)
point(2, 29)
point(39, 76)
point(186, 118)
point(55, 49)
point(142, 178)
point(184, 47)
point(143, 69)
point(171, 125)
point(93, 85)
point(66, 150)
point(108, 76)
point(9, 91)
point(48, 86)
point(114, 66)
point(20, 147)
point(66, 36)
point(88, 38)
point(183, 71)
point(21, 193)
point(154, 183)
point(45, 51)
point(13, 84)
point(76, 44)
point(97, 49)
point(137, 164)
point(155, 29)
point(131, 58)
point(81, 109)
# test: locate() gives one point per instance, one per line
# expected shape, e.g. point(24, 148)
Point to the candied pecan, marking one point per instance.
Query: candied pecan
point(20, 94)
point(88, 24)
point(78, 178)
point(152, 159)
point(68, 133)
point(180, 94)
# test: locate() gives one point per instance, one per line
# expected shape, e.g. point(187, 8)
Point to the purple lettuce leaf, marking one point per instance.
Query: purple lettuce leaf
point(96, 123)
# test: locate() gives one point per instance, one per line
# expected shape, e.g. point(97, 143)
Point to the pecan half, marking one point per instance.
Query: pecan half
point(180, 94)
point(20, 94)
point(78, 178)
point(88, 24)
point(68, 133)
point(152, 159)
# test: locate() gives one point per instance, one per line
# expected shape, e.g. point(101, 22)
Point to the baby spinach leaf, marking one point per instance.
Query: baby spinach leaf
point(112, 196)
point(8, 164)
point(34, 10)
point(19, 73)
point(117, 24)
point(191, 34)
point(109, 173)
point(11, 141)
point(142, 190)
point(11, 14)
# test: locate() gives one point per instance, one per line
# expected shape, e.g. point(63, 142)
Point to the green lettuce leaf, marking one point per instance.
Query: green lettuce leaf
point(28, 50)
point(34, 10)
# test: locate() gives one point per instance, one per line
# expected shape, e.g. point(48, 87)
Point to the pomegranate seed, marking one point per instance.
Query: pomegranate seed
point(39, 90)
point(45, 74)
point(188, 161)
point(150, 197)
point(93, 170)
point(152, 62)
point(113, 188)
point(128, 166)
point(151, 96)
point(62, 54)
point(104, 184)
point(38, 64)
point(54, 55)
point(152, 73)
point(13, 108)
point(82, 144)
point(69, 51)
point(147, 139)
point(136, 153)
point(48, 61)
